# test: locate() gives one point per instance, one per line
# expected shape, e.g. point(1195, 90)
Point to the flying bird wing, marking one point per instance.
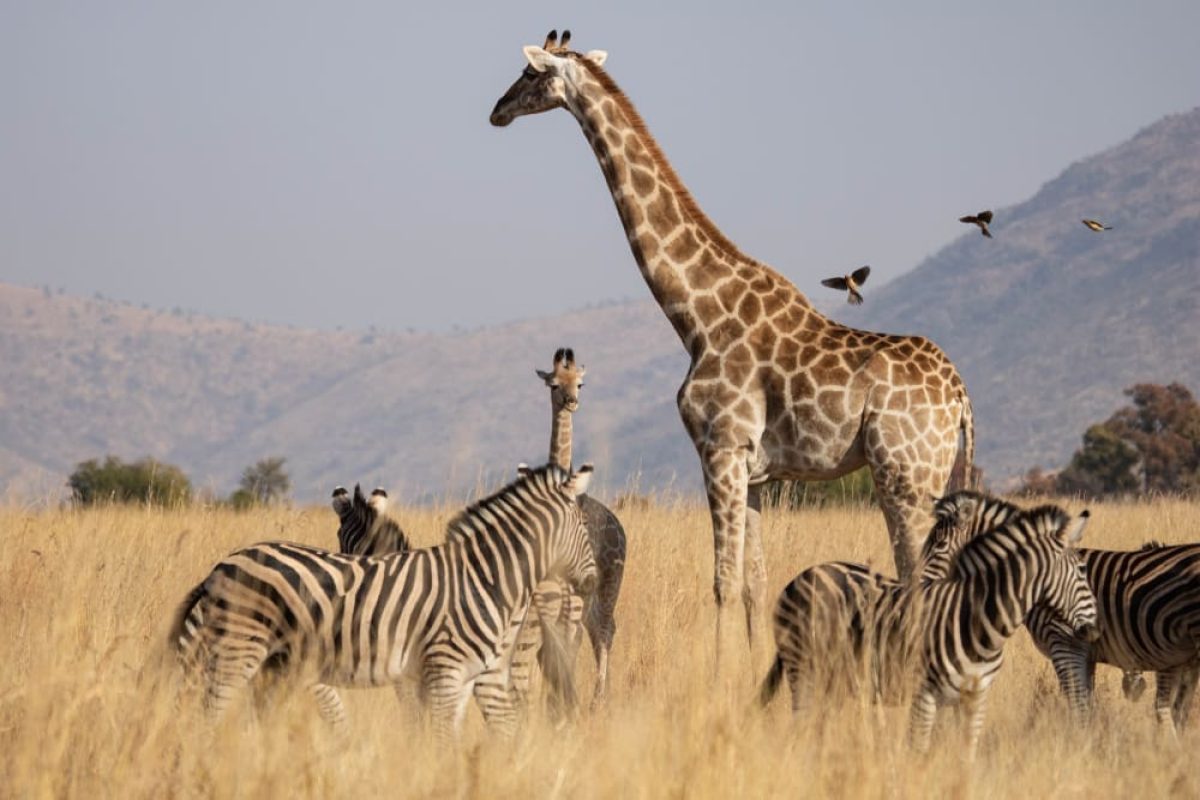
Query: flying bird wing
point(860, 275)
point(970, 220)
point(835, 283)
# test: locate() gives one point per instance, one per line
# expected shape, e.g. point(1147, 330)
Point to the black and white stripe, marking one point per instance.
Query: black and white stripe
point(950, 631)
point(1148, 604)
point(438, 615)
point(365, 529)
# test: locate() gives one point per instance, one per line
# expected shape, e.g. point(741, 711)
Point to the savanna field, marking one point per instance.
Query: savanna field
point(87, 694)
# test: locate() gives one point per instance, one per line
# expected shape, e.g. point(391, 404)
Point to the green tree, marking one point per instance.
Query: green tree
point(263, 483)
point(1152, 445)
point(115, 481)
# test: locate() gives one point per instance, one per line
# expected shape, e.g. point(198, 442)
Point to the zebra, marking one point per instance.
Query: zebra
point(440, 615)
point(1149, 618)
point(951, 630)
point(843, 598)
point(364, 529)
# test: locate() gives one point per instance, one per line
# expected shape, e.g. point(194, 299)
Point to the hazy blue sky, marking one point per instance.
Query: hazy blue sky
point(332, 164)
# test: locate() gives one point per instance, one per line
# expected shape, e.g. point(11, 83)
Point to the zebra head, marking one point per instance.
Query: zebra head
point(574, 550)
point(1064, 585)
point(565, 380)
point(959, 518)
point(356, 514)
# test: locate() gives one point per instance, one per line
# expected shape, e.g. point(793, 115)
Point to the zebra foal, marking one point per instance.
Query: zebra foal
point(948, 633)
point(441, 615)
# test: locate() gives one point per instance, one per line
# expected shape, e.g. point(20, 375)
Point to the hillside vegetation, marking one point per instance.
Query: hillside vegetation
point(1048, 322)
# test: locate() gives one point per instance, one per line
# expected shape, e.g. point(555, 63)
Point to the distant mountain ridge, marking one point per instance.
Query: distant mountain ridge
point(1048, 323)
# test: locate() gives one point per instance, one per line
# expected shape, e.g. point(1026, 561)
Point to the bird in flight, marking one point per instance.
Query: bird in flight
point(1096, 225)
point(849, 284)
point(982, 219)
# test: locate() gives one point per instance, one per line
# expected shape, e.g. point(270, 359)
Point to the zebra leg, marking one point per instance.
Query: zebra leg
point(1133, 686)
point(1073, 667)
point(974, 703)
point(1166, 684)
point(447, 695)
point(329, 705)
point(920, 720)
point(227, 673)
point(495, 701)
point(1183, 698)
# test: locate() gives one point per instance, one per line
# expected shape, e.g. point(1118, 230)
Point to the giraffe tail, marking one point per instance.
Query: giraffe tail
point(770, 684)
point(967, 425)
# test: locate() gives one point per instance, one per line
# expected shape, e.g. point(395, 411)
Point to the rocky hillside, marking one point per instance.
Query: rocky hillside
point(1048, 322)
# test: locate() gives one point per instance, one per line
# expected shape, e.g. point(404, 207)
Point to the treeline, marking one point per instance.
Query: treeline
point(152, 482)
point(1151, 446)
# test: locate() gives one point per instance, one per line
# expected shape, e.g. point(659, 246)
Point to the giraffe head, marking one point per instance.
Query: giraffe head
point(545, 83)
point(565, 380)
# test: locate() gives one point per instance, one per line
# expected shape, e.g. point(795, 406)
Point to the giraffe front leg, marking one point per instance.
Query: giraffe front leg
point(755, 588)
point(726, 482)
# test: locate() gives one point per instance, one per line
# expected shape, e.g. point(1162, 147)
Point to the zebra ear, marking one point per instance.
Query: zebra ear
point(1072, 532)
point(379, 500)
point(340, 499)
point(524, 470)
point(577, 484)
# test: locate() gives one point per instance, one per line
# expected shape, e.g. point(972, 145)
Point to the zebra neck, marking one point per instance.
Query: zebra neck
point(504, 564)
point(560, 437)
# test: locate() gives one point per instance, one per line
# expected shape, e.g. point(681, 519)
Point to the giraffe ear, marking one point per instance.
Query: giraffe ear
point(538, 58)
point(548, 377)
point(597, 57)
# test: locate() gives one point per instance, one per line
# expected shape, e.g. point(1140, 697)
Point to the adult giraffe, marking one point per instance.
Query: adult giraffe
point(775, 389)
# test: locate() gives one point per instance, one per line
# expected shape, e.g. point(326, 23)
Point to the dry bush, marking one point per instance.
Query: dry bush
point(87, 697)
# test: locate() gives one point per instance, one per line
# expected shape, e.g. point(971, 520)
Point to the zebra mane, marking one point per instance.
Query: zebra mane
point(475, 517)
point(958, 518)
point(1021, 530)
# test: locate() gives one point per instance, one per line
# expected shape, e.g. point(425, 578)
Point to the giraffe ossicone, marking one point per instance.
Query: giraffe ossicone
point(775, 390)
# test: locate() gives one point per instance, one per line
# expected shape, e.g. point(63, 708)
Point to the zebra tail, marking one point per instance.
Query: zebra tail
point(184, 635)
point(558, 669)
point(770, 684)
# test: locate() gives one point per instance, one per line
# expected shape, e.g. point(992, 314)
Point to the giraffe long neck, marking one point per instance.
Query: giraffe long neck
point(680, 252)
point(560, 436)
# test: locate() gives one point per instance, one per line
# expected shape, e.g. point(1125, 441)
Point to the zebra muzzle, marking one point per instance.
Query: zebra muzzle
point(1088, 633)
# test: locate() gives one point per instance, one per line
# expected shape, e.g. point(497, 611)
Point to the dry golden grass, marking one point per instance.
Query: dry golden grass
point(86, 597)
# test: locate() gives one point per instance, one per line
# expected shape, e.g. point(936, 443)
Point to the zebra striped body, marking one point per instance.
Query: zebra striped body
point(1148, 604)
point(863, 612)
point(503, 688)
point(950, 631)
point(439, 615)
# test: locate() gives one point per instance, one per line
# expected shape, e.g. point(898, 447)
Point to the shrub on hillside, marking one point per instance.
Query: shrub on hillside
point(115, 481)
